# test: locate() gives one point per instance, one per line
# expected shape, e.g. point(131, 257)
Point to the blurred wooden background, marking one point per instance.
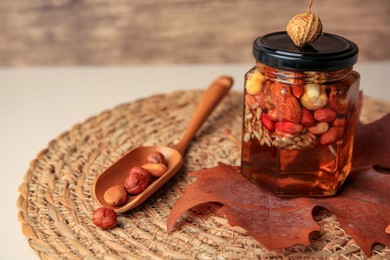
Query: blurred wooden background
point(125, 32)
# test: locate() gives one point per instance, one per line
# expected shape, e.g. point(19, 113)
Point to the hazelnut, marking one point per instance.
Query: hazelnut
point(104, 218)
point(137, 180)
point(287, 107)
point(157, 157)
point(314, 96)
point(253, 83)
point(115, 196)
point(155, 169)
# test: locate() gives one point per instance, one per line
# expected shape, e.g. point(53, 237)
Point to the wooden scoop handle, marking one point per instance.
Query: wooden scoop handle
point(209, 101)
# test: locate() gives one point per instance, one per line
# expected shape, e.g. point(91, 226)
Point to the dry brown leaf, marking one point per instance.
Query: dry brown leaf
point(283, 222)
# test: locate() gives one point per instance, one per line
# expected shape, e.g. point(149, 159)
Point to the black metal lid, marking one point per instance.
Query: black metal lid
point(328, 52)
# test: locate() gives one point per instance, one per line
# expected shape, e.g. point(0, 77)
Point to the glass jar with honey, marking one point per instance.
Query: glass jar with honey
point(300, 110)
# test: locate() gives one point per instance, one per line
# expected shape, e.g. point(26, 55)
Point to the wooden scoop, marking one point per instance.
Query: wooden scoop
point(117, 172)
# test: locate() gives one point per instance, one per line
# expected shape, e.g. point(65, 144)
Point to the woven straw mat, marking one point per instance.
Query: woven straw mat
point(56, 202)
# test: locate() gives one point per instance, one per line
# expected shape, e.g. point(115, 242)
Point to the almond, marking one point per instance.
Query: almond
point(331, 136)
point(155, 169)
point(115, 196)
point(291, 109)
point(307, 118)
point(325, 115)
point(288, 127)
point(286, 105)
point(267, 122)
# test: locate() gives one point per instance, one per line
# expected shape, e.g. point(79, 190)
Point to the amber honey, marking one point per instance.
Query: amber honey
point(314, 171)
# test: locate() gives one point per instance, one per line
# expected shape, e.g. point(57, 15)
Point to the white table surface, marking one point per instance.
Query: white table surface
point(37, 104)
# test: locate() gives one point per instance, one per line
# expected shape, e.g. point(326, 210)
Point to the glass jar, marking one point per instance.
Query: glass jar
point(300, 110)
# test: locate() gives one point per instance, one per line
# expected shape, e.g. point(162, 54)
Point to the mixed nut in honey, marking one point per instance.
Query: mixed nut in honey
point(299, 116)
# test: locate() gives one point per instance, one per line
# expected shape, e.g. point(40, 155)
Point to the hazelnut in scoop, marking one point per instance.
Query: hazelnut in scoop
point(137, 180)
